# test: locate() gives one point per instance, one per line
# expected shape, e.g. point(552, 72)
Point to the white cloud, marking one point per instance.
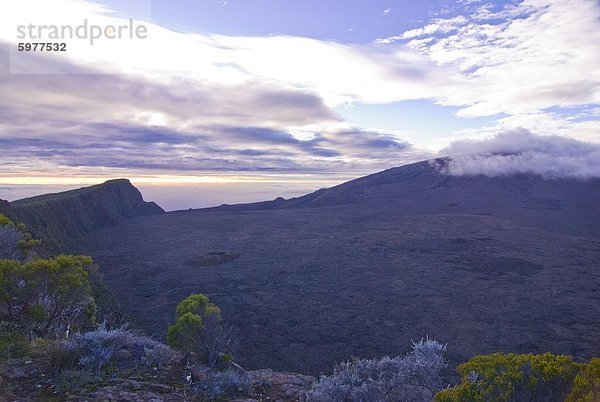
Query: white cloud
point(521, 59)
point(438, 25)
point(206, 102)
point(337, 73)
point(521, 152)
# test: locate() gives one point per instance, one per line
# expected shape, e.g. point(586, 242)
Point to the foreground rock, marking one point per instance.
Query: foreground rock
point(135, 391)
point(29, 380)
point(279, 386)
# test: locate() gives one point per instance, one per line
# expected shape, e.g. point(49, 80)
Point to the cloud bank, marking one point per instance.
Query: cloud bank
point(129, 121)
point(521, 152)
point(211, 103)
point(216, 103)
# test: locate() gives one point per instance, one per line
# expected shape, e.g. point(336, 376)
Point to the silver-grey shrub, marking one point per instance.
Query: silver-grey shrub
point(10, 236)
point(415, 376)
point(217, 385)
point(119, 347)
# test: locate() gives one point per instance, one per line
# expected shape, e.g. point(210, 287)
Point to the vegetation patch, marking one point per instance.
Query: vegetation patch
point(413, 377)
point(586, 386)
point(199, 332)
point(217, 385)
point(513, 377)
point(15, 242)
point(111, 349)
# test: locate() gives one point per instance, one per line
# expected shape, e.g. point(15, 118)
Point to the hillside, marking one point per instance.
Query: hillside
point(62, 219)
point(568, 206)
point(486, 264)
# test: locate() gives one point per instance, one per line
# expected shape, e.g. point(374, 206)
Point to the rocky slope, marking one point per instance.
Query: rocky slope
point(26, 379)
point(484, 264)
point(566, 205)
point(62, 219)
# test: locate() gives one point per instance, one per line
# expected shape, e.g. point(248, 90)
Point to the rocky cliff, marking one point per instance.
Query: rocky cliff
point(62, 219)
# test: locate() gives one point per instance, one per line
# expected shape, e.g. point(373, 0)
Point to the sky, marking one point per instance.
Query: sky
point(225, 101)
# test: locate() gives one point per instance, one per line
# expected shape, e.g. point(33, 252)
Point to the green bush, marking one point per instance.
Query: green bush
point(191, 316)
point(15, 241)
point(198, 330)
point(46, 297)
point(12, 342)
point(5, 221)
point(586, 386)
point(513, 377)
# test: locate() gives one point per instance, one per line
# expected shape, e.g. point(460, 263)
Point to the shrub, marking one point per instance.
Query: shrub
point(586, 386)
point(10, 237)
point(513, 377)
point(12, 342)
point(15, 242)
point(217, 385)
point(413, 377)
point(46, 296)
point(199, 331)
point(74, 380)
point(117, 348)
point(5, 221)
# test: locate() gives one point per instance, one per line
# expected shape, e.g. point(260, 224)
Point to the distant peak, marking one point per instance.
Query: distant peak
point(124, 180)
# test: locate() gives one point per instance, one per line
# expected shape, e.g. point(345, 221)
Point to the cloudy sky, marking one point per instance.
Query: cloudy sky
point(243, 100)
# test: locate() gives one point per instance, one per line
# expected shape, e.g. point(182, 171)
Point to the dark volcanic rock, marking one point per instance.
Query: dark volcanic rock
point(4, 207)
point(127, 390)
point(212, 259)
point(63, 218)
point(280, 386)
point(483, 264)
point(565, 205)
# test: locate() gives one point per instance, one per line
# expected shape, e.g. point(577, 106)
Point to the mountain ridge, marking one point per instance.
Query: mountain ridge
point(62, 219)
point(426, 187)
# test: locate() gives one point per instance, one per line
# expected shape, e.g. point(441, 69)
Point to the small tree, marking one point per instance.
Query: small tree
point(15, 242)
point(46, 296)
point(199, 331)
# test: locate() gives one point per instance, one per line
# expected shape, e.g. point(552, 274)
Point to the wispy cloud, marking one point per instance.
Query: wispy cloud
point(519, 59)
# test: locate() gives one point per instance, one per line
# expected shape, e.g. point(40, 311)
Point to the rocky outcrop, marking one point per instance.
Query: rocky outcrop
point(27, 380)
point(62, 219)
point(128, 390)
point(279, 386)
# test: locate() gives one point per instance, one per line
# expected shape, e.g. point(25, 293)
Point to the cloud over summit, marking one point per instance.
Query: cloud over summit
point(521, 152)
